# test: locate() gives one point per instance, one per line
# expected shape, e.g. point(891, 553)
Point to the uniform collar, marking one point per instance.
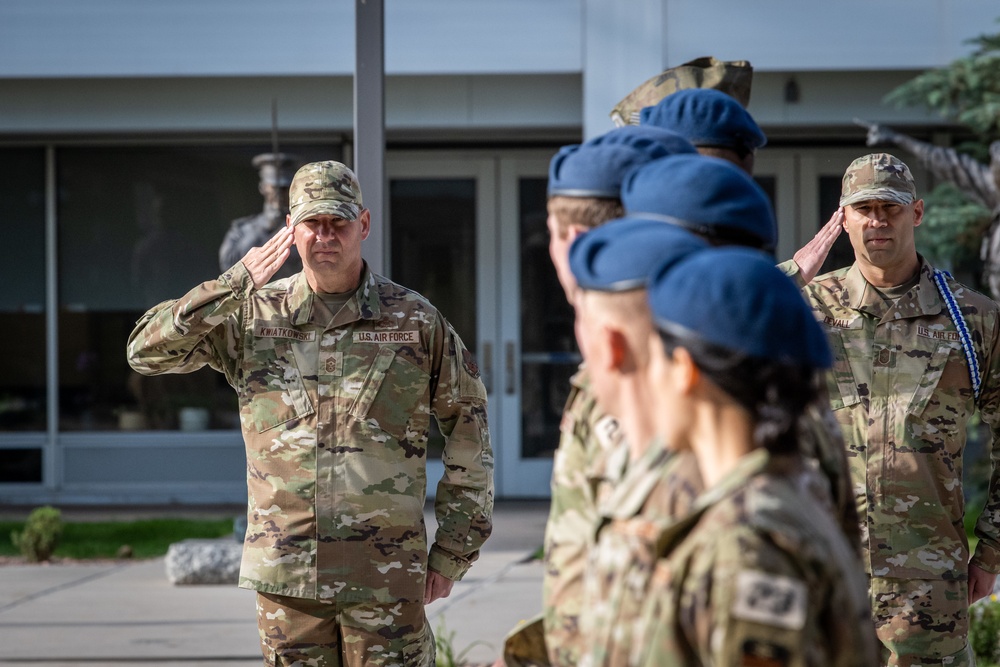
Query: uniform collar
point(922, 299)
point(363, 305)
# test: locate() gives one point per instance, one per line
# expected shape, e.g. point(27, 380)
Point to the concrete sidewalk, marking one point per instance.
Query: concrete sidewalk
point(127, 613)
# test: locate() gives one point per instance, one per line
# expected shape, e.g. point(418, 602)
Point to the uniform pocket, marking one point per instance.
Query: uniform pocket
point(274, 385)
point(390, 393)
point(841, 383)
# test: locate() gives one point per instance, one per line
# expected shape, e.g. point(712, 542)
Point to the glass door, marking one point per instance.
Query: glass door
point(536, 330)
point(442, 243)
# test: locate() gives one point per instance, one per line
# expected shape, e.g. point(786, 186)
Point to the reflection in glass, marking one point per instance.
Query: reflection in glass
point(433, 252)
point(138, 226)
point(548, 346)
point(22, 299)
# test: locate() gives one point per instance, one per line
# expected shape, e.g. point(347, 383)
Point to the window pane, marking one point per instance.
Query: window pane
point(22, 301)
point(549, 354)
point(138, 226)
point(433, 252)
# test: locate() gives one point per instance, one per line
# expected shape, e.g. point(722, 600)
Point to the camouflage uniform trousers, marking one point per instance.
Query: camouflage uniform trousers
point(922, 622)
point(322, 633)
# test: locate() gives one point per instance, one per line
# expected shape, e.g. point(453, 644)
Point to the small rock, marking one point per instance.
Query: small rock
point(204, 562)
point(124, 551)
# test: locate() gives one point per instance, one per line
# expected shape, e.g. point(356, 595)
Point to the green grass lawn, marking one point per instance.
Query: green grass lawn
point(148, 538)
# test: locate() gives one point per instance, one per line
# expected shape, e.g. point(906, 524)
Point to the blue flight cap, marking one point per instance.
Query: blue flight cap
point(596, 168)
point(706, 117)
point(706, 195)
point(621, 255)
point(737, 299)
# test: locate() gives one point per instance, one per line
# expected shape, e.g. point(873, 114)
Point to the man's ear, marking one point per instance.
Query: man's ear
point(572, 231)
point(288, 220)
point(918, 212)
point(366, 223)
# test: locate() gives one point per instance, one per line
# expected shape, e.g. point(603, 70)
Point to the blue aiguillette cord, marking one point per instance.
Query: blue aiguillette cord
point(940, 279)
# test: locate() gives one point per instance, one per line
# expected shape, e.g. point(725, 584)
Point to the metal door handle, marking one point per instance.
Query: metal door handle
point(486, 369)
point(509, 368)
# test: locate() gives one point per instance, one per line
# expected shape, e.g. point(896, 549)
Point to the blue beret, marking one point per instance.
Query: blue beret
point(707, 195)
point(737, 299)
point(596, 168)
point(706, 117)
point(622, 254)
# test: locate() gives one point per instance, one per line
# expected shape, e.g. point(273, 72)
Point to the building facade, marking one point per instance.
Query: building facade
point(126, 137)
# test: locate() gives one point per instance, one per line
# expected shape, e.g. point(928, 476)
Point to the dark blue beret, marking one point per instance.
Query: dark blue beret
point(737, 299)
point(707, 195)
point(596, 168)
point(621, 255)
point(706, 117)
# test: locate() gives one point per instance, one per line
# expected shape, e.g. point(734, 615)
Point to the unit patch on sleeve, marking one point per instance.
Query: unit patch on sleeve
point(770, 599)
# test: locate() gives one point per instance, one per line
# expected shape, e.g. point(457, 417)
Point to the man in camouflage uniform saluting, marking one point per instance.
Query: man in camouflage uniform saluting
point(916, 353)
point(338, 371)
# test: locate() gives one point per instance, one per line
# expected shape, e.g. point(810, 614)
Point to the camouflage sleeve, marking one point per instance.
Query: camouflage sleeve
point(199, 329)
point(464, 500)
point(987, 555)
point(973, 178)
point(791, 269)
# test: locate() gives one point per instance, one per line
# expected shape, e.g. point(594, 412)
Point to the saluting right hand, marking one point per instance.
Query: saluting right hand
point(263, 262)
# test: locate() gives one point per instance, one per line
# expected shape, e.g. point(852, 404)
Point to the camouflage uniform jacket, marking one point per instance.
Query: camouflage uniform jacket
point(901, 391)
point(758, 574)
point(589, 444)
point(335, 414)
point(658, 488)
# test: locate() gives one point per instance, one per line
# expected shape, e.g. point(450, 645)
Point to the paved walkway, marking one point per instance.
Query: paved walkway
point(127, 613)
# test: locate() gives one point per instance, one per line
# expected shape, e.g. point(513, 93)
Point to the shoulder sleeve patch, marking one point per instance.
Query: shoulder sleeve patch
point(770, 599)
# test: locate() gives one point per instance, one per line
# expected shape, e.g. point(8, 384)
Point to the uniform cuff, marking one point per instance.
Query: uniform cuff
point(448, 564)
point(792, 270)
point(239, 280)
point(986, 558)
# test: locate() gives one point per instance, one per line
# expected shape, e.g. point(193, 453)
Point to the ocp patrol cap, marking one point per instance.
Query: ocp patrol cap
point(324, 188)
point(596, 168)
point(622, 254)
point(737, 299)
point(706, 117)
point(878, 176)
point(709, 196)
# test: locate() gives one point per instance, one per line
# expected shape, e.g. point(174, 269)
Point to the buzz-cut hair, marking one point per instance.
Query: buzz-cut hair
point(587, 212)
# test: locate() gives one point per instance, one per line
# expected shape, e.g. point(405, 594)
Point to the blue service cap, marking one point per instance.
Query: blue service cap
point(621, 255)
point(706, 195)
point(737, 299)
point(706, 117)
point(596, 168)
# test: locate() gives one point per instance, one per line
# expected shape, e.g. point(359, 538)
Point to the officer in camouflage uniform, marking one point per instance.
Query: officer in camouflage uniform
point(338, 372)
point(583, 189)
point(276, 171)
point(916, 353)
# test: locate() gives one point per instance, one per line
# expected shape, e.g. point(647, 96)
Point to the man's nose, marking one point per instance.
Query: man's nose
point(325, 232)
point(878, 217)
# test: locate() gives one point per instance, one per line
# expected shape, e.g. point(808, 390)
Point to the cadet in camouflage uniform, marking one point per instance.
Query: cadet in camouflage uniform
point(916, 353)
point(584, 185)
point(338, 372)
point(617, 578)
point(276, 171)
point(759, 573)
point(713, 121)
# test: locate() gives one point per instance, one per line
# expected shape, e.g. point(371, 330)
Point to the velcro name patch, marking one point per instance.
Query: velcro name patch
point(386, 337)
point(271, 331)
point(843, 323)
point(934, 334)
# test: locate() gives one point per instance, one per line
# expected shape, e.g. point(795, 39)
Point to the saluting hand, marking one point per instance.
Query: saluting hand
point(811, 256)
point(263, 262)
